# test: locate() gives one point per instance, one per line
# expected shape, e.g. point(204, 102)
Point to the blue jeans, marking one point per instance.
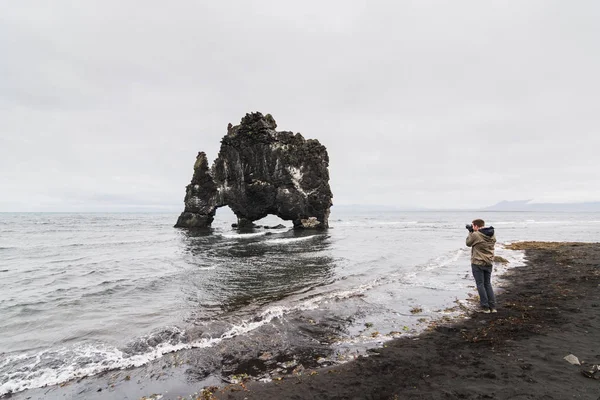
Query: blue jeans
point(483, 277)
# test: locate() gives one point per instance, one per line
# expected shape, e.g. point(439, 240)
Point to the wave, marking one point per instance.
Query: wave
point(49, 367)
point(24, 308)
point(66, 260)
point(372, 223)
point(447, 258)
point(397, 222)
point(55, 366)
point(314, 301)
point(557, 222)
point(252, 235)
point(115, 287)
point(242, 235)
point(206, 268)
point(90, 244)
point(52, 367)
point(289, 240)
point(531, 221)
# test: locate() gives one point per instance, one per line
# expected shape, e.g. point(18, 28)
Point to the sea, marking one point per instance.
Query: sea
point(86, 293)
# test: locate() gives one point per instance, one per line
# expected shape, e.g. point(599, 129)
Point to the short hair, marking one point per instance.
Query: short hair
point(479, 222)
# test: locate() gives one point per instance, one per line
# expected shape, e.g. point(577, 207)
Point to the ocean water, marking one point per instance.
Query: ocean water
point(86, 293)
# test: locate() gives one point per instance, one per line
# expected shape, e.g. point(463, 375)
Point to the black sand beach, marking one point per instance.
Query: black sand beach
point(550, 309)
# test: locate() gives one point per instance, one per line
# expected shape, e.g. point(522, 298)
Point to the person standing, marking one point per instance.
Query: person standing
point(482, 240)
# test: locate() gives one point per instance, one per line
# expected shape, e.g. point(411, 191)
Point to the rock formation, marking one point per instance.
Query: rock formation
point(260, 171)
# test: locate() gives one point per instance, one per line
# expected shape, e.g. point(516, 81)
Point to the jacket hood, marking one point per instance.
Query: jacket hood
point(488, 231)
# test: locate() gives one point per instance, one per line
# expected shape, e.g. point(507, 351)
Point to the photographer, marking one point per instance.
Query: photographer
point(482, 241)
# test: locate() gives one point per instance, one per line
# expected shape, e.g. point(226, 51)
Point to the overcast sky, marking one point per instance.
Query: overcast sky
point(449, 104)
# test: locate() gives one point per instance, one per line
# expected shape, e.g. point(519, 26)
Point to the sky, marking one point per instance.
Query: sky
point(437, 104)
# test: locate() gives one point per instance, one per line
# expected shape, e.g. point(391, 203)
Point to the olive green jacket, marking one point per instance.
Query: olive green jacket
point(482, 246)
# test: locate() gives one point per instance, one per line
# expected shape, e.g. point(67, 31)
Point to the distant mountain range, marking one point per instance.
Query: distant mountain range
point(527, 205)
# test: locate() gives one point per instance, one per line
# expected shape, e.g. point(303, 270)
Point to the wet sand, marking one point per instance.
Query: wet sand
point(550, 309)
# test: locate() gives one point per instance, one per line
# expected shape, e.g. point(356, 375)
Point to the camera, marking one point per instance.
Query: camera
point(469, 227)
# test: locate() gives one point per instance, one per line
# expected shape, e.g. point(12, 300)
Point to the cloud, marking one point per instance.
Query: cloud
point(431, 104)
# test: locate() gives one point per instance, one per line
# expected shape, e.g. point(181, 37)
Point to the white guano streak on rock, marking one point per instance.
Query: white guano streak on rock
point(296, 174)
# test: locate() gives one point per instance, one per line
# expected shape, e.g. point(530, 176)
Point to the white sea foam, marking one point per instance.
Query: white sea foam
point(247, 326)
point(535, 222)
point(243, 235)
point(252, 235)
point(40, 369)
point(90, 359)
point(426, 275)
point(557, 222)
point(447, 258)
point(381, 270)
point(315, 301)
point(397, 223)
point(85, 360)
point(515, 258)
point(289, 240)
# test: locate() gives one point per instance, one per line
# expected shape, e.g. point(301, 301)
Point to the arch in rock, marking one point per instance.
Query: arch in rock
point(260, 171)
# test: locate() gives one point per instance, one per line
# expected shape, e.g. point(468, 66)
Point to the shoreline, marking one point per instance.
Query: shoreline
point(548, 310)
point(376, 376)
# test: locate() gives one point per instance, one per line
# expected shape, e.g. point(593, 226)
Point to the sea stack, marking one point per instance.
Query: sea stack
point(258, 172)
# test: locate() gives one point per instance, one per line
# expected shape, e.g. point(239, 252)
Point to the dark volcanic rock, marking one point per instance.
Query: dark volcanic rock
point(260, 171)
point(278, 226)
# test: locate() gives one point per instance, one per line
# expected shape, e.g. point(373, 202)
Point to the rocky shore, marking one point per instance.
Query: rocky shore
point(550, 310)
